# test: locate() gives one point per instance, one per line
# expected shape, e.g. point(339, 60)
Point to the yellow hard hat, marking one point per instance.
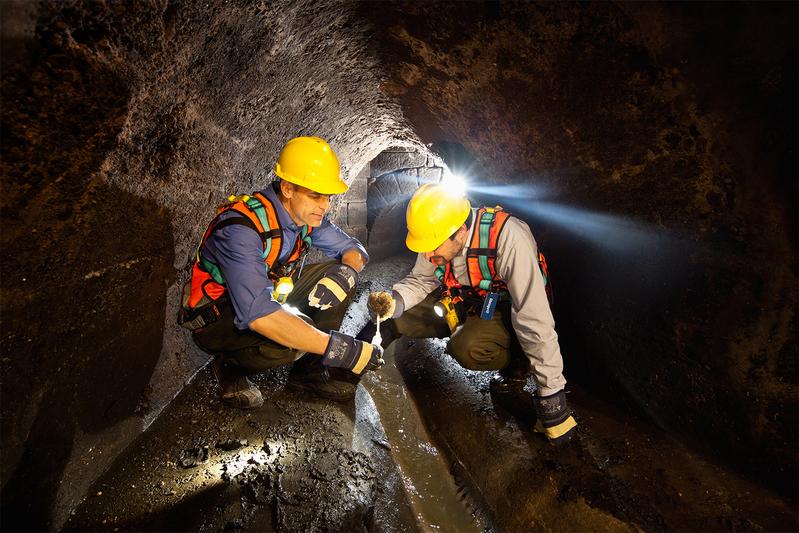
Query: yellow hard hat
point(433, 215)
point(311, 163)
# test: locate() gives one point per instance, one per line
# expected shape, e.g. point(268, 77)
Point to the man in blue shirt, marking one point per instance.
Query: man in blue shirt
point(238, 305)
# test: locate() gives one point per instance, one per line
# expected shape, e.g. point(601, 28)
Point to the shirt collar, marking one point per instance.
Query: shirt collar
point(282, 215)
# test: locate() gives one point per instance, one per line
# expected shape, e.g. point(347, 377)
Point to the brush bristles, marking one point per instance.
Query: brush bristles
point(380, 303)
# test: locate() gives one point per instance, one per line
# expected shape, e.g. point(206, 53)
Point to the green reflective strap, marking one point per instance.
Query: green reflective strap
point(267, 247)
point(307, 239)
point(482, 260)
point(212, 269)
point(485, 227)
point(257, 207)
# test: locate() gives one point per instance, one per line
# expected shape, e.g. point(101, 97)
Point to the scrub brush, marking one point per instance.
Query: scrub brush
point(380, 304)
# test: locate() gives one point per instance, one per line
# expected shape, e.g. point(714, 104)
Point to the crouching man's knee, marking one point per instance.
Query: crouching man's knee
point(478, 355)
point(336, 287)
point(266, 354)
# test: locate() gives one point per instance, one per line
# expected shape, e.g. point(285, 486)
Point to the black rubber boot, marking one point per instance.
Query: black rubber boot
point(507, 387)
point(235, 389)
point(309, 375)
point(513, 377)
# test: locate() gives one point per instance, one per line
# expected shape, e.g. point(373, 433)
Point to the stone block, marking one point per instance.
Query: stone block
point(364, 172)
point(338, 214)
point(357, 190)
point(390, 161)
point(391, 187)
point(430, 175)
point(387, 236)
point(359, 232)
point(356, 214)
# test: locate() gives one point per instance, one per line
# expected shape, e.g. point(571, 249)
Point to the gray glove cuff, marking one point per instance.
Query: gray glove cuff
point(347, 352)
point(341, 351)
point(399, 304)
point(344, 275)
point(552, 409)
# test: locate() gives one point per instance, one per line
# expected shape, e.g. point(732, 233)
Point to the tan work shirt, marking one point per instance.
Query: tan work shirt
point(517, 265)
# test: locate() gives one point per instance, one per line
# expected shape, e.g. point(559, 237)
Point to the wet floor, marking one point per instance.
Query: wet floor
point(297, 464)
point(422, 448)
point(440, 503)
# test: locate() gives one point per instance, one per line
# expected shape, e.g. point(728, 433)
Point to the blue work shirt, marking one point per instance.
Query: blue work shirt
point(238, 251)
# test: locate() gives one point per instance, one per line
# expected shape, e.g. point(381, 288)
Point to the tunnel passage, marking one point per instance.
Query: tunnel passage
point(655, 145)
point(393, 177)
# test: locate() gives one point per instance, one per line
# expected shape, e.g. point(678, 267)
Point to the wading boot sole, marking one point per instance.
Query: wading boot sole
point(250, 398)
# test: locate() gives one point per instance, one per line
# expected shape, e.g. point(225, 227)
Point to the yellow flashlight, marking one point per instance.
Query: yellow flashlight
point(445, 309)
point(283, 288)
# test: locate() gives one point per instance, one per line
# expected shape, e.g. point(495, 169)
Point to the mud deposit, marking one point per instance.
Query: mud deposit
point(296, 464)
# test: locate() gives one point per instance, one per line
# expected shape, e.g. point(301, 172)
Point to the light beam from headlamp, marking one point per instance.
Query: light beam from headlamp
point(455, 183)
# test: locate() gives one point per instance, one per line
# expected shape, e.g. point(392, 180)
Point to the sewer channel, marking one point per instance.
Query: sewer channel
point(439, 504)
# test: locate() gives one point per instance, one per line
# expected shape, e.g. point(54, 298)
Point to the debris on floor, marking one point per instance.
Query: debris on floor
point(193, 457)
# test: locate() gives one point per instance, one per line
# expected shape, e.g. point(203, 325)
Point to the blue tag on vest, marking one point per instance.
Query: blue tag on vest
point(489, 304)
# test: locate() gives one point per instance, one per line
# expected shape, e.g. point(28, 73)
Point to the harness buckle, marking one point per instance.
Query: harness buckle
point(194, 319)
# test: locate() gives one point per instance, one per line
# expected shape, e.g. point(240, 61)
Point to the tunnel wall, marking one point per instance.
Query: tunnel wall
point(123, 125)
point(657, 143)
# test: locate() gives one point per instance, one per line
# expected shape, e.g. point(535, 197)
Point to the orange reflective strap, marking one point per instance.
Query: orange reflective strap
point(202, 284)
point(475, 274)
point(542, 264)
point(500, 217)
point(486, 251)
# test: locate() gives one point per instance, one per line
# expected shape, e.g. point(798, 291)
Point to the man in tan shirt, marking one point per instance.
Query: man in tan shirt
point(478, 280)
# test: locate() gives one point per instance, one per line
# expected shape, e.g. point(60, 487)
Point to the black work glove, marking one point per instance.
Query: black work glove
point(555, 419)
point(395, 309)
point(347, 352)
point(332, 289)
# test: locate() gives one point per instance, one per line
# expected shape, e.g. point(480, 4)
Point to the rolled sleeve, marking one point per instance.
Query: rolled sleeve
point(237, 251)
point(517, 264)
point(334, 241)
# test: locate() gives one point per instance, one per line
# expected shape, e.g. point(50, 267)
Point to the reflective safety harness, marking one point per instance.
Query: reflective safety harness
point(202, 302)
point(481, 256)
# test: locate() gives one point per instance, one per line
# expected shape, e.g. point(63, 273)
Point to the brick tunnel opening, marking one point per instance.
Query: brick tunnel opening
point(650, 165)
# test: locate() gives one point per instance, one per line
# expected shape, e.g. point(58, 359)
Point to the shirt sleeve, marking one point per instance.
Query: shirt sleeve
point(517, 264)
point(419, 283)
point(333, 241)
point(238, 252)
